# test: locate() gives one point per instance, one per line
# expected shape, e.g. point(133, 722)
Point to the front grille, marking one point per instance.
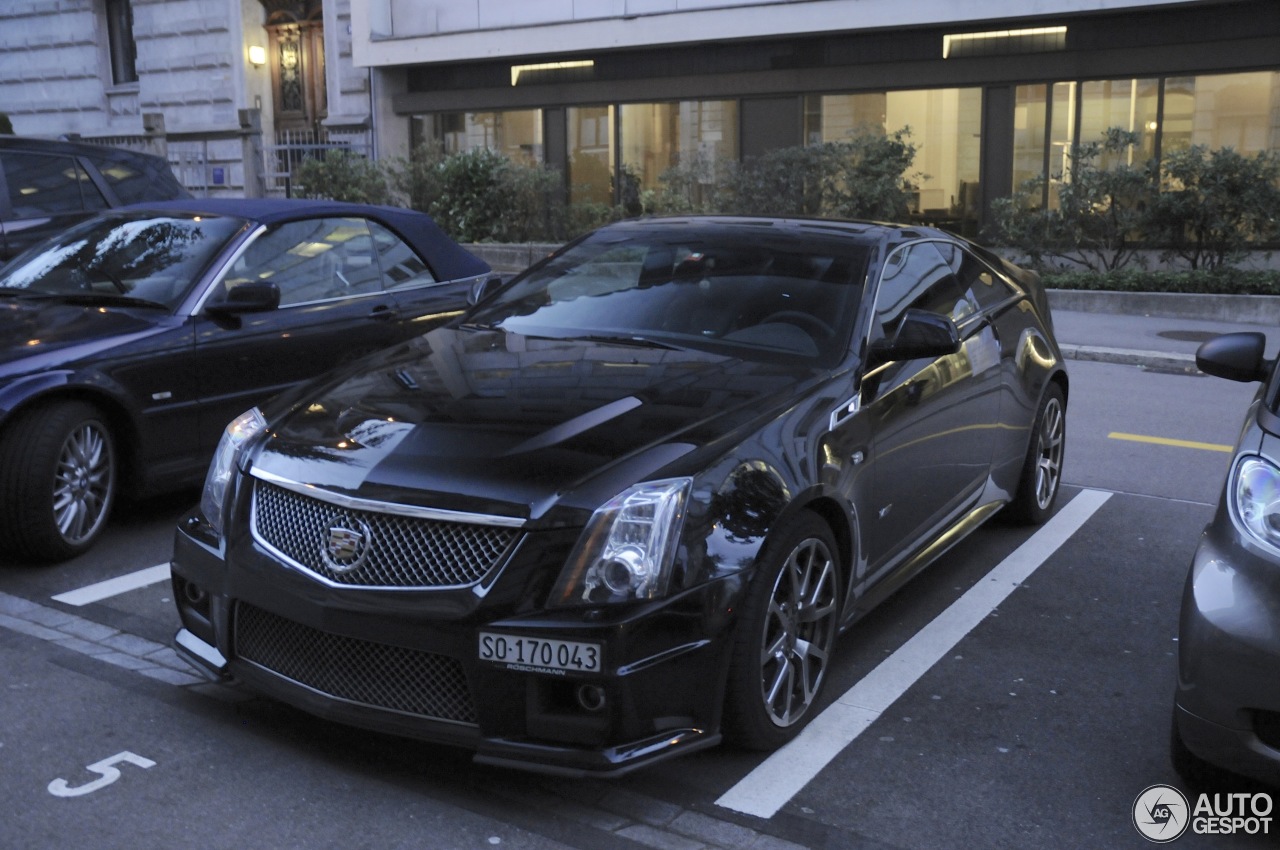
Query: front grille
point(402, 551)
point(408, 681)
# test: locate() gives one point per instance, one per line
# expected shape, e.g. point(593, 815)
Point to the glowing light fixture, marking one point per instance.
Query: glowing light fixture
point(517, 70)
point(969, 40)
point(257, 55)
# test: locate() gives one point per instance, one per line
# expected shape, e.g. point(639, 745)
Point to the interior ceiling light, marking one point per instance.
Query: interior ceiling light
point(517, 70)
point(1050, 38)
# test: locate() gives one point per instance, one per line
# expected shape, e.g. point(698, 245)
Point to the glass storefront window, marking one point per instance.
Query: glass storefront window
point(946, 128)
point(658, 136)
point(591, 154)
point(1240, 111)
point(1131, 105)
point(516, 133)
point(1029, 112)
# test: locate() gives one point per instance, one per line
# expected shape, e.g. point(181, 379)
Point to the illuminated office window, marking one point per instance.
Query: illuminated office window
point(658, 136)
point(946, 128)
point(516, 133)
point(1239, 111)
point(591, 154)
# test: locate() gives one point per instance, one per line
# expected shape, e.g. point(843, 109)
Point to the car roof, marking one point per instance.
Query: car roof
point(70, 148)
point(796, 226)
point(447, 258)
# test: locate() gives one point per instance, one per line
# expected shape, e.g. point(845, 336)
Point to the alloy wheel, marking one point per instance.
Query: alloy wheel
point(1049, 449)
point(83, 482)
point(799, 630)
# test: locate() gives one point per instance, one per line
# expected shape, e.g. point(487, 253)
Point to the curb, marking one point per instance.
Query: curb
point(1241, 309)
point(1165, 361)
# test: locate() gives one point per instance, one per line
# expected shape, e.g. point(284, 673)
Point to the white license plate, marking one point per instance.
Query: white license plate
point(540, 654)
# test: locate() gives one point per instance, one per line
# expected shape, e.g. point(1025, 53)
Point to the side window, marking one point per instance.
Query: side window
point(47, 185)
point(987, 289)
point(401, 267)
point(312, 260)
point(131, 184)
point(917, 277)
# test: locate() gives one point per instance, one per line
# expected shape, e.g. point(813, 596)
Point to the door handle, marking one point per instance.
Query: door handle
point(383, 313)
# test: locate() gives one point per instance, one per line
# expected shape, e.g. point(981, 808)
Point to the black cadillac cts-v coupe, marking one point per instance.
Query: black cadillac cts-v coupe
point(623, 507)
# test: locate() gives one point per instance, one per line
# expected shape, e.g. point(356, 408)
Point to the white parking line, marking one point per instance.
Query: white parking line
point(114, 586)
point(781, 776)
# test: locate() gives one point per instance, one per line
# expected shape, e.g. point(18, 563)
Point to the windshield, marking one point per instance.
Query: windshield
point(747, 292)
point(131, 256)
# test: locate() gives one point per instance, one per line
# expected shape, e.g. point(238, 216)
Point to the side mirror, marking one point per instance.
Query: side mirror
point(1235, 356)
point(919, 334)
point(255, 296)
point(482, 289)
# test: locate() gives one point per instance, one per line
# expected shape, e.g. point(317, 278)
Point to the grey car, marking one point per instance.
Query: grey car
point(1227, 704)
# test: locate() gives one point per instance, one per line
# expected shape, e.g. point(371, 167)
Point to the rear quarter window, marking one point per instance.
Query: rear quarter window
point(137, 180)
point(41, 184)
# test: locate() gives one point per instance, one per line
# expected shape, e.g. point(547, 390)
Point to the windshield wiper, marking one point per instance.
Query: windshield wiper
point(637, 340)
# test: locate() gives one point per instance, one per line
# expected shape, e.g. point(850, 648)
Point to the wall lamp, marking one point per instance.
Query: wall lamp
point(257, 55)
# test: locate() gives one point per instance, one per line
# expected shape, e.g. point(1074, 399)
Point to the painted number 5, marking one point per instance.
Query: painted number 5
point(60, 788)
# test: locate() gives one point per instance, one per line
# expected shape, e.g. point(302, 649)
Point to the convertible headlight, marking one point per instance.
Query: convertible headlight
point(628, 547)
point(1256, 495)
point(242, 429)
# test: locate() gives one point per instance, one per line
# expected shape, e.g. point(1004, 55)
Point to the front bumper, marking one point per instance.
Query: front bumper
point(407, 663)
point(1227, 704)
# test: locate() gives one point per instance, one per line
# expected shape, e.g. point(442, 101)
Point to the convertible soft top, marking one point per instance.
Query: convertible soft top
point(447, 258)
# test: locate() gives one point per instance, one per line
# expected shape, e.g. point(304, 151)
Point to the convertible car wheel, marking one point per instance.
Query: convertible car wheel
point(1042, 471)
point(58, 470)
point(784, 641)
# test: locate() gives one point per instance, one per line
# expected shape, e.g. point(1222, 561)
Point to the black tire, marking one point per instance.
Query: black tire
point(783, 644)
point(1041, 475)
point(58, 480)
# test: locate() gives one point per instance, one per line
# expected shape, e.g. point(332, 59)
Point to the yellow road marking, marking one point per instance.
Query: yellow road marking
point(1165, 441)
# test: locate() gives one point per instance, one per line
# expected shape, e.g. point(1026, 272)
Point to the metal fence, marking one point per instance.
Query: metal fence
point(237, 162)
point(293, 147)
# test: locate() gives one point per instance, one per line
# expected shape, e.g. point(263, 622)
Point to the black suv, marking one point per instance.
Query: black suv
point(47, 186)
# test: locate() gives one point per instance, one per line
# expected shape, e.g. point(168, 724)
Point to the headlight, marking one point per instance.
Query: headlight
point(628, 547)
point(1256, 495)
point(242, 429)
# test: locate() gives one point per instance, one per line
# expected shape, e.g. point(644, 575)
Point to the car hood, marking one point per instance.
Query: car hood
point(489, 422)
point(33, 327)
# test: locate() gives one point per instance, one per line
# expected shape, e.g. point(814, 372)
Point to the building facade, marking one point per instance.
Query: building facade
point(992, 92)
point(229, 90)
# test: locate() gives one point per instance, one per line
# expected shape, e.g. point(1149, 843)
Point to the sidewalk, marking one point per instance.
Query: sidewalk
point(1094, 331)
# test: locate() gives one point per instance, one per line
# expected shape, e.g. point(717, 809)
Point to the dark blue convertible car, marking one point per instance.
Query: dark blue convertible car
point(132, 339)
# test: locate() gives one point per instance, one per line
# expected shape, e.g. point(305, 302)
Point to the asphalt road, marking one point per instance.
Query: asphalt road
point(1028, 706)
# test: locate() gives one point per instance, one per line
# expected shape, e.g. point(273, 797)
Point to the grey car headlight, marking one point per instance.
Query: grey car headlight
point(628, 547)
point(240, 431)
point(1256, 499)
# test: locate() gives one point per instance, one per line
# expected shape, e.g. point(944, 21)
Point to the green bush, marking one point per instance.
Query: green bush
point(1218, 281)
point(1216, 204)
point(1101, 215)
point(1202, 209)
point(341, 175)
point(864, 177)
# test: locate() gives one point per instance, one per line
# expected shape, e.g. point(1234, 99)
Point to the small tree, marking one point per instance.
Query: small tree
point(871, 176)
point(693, 185)
point(1216, 203)
point(1102, 212)
point(865, 176)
